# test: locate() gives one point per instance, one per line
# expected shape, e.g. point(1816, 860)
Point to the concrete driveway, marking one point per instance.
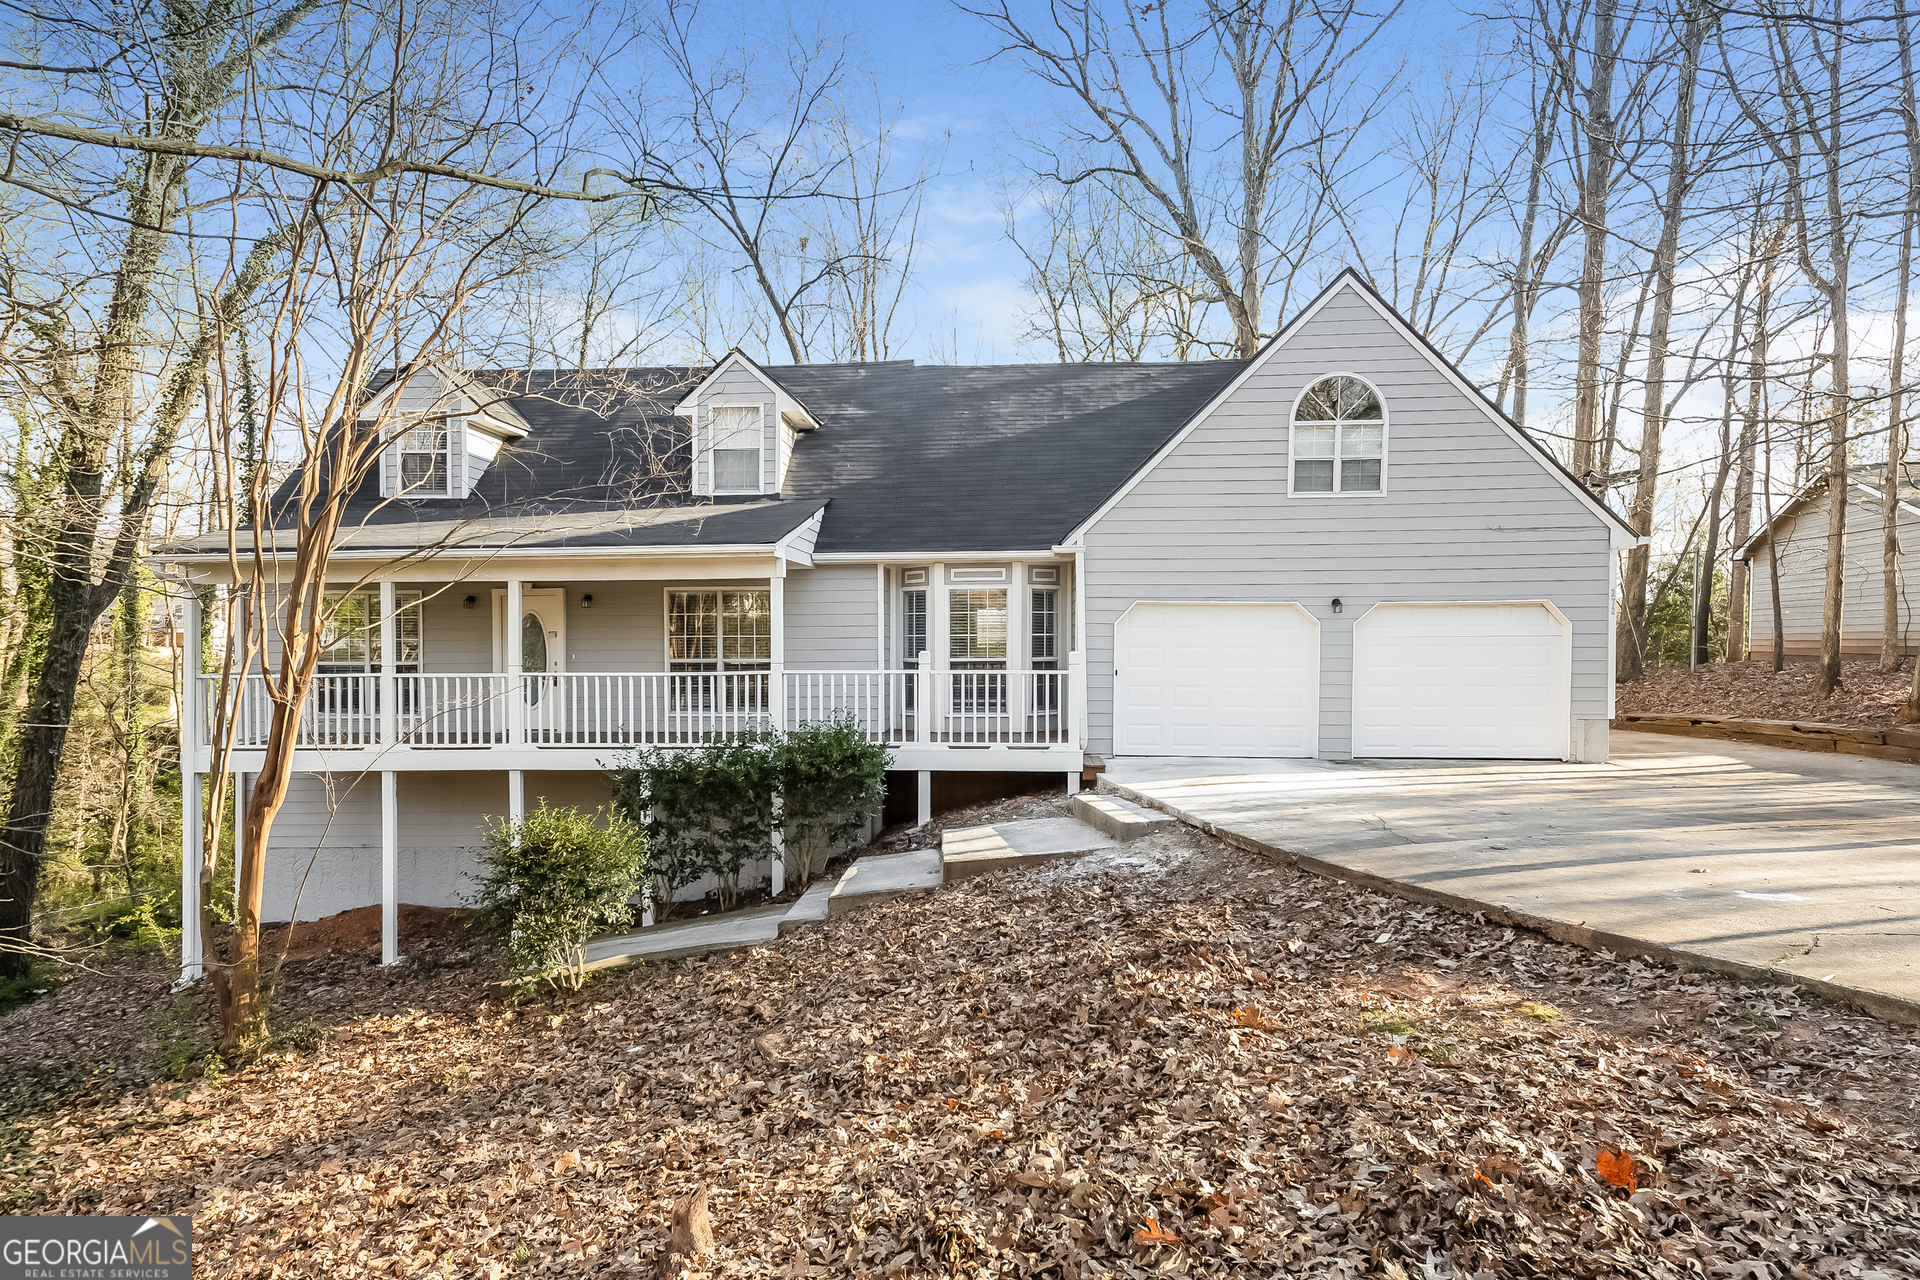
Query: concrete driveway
point(1742, 857)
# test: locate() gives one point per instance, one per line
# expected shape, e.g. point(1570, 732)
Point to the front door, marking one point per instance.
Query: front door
point(543, 635)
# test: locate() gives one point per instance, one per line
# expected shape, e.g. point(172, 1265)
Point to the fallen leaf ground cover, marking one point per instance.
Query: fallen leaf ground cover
point(1174, 1059)
point(1866, 699)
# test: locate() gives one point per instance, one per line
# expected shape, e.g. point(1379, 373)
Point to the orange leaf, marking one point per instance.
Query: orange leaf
point(1616, 1168)
point(1483, 1179)
point(1154, 1233)
point(1398, 1053)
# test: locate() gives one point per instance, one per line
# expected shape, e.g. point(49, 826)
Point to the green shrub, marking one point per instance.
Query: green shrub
point(707, 810)
point(711, 810)
point(832, 782)
point(550, 879)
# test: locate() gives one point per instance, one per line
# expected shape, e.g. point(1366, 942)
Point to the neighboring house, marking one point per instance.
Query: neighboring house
point(1337, 548)
point(1798, 533)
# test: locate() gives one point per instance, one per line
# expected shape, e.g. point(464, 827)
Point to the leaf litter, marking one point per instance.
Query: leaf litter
point(1187, 1061)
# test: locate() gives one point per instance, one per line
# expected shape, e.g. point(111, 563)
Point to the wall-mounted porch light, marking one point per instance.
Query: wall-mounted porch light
point(586, 601)
point(468, 603)
point(1337, 606)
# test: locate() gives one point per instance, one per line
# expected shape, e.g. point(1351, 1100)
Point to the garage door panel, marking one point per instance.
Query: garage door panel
point(1213, 679)
point(1485, 681)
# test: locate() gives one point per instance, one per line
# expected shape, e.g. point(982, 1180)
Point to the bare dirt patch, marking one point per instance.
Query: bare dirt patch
point(1866, 699)
point(1181, 1059)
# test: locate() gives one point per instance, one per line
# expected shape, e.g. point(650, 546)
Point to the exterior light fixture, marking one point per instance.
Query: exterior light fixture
point(1337, 606)
point(586, 601)
point(468, 603)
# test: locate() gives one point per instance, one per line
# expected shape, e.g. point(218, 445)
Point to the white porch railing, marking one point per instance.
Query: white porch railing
point(606, 709)
point(450, 710)
point(594, 709)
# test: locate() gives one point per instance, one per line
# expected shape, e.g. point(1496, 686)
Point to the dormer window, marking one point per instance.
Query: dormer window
point(1339, 438)
point(737, 442)
point(423, 461)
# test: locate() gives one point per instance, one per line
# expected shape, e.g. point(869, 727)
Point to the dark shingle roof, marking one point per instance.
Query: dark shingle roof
point(980, 458)
point(910, 457)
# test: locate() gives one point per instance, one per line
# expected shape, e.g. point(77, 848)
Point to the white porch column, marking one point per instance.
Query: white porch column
point(1077, 654)
point(777, 691)
point(193, 720)
point(940, 651)
point(777, 677)
point(515, 661)
point(193, 728)
point(1073, 782)
point(389, 867)
point(240, 788)
point(1019, 651)
point(926, 798)
point(516, 796)
point(191, 834)
point(389, 655)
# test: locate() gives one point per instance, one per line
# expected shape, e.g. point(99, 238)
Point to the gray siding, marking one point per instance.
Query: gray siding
point(738, 385)
point(328, 835)
point(1468, 514)
point(831, 618)
point(1802, 541)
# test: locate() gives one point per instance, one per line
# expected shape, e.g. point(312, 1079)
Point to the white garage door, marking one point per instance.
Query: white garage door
point(1480, 681)
point(1216, 680)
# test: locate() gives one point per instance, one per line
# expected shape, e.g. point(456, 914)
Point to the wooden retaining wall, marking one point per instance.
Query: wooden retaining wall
point(1902, 744)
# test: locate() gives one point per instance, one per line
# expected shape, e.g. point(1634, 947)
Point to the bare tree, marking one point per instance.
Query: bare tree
point(1909, 109)
point(737, 141)
point(1768, 238)
point(1808, 139)
point(1630, 643)
point(91, 379)
point(1158, 93)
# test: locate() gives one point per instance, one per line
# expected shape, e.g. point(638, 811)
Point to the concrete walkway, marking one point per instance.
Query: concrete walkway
point(1744, 858)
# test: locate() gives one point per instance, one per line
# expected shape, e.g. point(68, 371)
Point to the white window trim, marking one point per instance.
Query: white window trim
point(713, 472)
point(1386, 438)
point(393, 483)
point(666, 625)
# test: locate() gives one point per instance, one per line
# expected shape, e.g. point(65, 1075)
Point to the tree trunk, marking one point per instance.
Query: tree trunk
point(1891, 639)
point(1593, 266)
point(43, 737)
point(1630, 641)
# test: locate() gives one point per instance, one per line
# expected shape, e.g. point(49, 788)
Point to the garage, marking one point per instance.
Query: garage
point(1216, 680)
point(1474, 681)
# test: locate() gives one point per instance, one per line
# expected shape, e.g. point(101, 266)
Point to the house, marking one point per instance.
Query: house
point(1336, 548)
point(1797, 534)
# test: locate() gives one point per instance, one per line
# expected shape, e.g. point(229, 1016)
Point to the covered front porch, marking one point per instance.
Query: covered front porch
point(530, 671)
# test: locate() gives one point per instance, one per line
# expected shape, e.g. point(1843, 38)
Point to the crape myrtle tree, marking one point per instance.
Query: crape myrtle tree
point(384, 273)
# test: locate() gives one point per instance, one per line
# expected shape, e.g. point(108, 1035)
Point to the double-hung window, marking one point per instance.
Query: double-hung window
point(736, 445)
point(724, 634)
point(424, 468)
point(350, 646)
point(1044, 632)
point(719, 631)
point(350, 641)
point(977, 649)
point(1339, 438)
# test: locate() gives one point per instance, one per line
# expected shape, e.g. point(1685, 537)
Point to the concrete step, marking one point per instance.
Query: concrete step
point(703, 935)
point(811, 908)
point(1119, 818)
point(966, 852)
point(871, 881)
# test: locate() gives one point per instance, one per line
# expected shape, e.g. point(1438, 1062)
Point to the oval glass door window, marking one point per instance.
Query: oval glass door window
point(533, 651)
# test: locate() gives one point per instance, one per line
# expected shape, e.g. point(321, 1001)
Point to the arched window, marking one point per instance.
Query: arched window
point(1339, 438)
